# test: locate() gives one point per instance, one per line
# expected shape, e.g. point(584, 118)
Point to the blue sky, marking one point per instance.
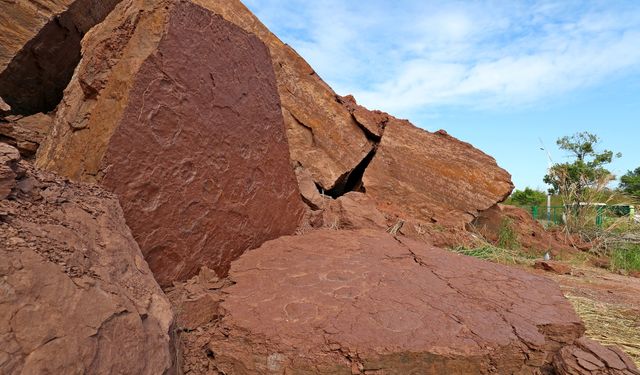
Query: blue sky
point(502, 75)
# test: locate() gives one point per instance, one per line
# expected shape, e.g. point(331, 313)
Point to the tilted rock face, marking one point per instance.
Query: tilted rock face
point(40, 47)
point(433, 176)
point(356, 302)
point(323, 136)
point(176, 110)
point(76, 296)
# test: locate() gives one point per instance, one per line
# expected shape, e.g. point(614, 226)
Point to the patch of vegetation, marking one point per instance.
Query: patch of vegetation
point(507, 236)
point(527, 197)
point(626, 258)
point(630, 183)
point(610, 324)
point(496, 254)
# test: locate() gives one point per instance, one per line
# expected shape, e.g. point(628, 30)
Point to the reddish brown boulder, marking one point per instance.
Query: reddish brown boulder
point(587, 357)
point(433, 176)
point(323, 135)
point(356, 302)
point(25, 133)
point(191, 139)
point(76, 296)
point(531, 235)
point(551, 266)
point(372, 122)
point(353, 211)
point(40, 48)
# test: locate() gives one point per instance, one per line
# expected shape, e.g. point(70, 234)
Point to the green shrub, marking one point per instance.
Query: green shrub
point(626, 258)
point(507, 236)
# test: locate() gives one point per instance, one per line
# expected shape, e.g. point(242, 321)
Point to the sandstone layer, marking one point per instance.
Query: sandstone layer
point(433, 176)
point(190, 138)
point(40, 47)
point(76, 296)
point(364, 302)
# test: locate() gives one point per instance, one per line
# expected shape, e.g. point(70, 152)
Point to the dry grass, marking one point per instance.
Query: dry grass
point(610, 324)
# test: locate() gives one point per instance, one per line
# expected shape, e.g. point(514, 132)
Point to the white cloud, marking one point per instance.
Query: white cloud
point(411, 55)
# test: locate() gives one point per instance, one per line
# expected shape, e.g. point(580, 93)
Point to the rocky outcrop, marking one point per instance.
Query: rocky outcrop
point(191, 139)
point(587, 357)
point(76, 296)
point(364, 302)
point(323, 136)
point(40, 48)
point(433, 176)
point(25, 133)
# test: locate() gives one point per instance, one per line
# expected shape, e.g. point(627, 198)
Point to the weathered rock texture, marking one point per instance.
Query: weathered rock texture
point(9, 171)
point(323, 136)
point(76, 296)
point(40, 47)
point(25, 133)
point(433, 176)
point(356, 302)
point(176, 110)
point(531, 235)
point(587, 357)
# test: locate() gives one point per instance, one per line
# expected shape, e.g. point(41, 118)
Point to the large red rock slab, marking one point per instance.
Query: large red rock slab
point(76, 296)
point(323, 135)
point(364, 302)
point(433, 176)
point(587, 357)
point(40, 48)
point(176, 110)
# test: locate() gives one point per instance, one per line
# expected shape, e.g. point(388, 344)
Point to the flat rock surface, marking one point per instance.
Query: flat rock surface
point(433, 176)
point(76, 296)
point(192, 140)
point(355, 302)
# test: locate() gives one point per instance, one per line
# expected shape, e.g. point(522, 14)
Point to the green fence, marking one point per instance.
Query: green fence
point(557, 214)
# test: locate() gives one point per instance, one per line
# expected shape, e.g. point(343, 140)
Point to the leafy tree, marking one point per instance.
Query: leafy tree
point(630, 182)
point(527, 197)
point(585, 172)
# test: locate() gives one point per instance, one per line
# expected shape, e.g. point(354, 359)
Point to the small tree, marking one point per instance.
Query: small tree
point(581, 181)
point(630, 183)
point(587, 171)
point(527, 197)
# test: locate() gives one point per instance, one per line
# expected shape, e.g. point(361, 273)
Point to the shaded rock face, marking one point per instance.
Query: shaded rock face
point(76, 296)
point(191, 139)
point(356, 302)
point(40, 48)
point(323, 136)
point(587, 357)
